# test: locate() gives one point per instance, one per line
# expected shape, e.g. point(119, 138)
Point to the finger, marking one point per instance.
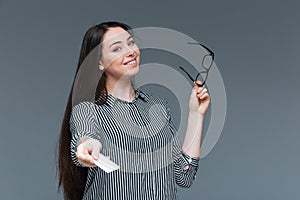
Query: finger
point(85, 158)
point(201, 90)
point(83, 154)
point(201, 93)
point(88, 164)
point(80, 152)
point(205, 95)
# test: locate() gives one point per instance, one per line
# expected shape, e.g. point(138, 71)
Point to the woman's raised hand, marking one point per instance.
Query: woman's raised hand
point(199, 99)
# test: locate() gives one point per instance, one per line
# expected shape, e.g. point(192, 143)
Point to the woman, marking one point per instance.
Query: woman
point(140, 141)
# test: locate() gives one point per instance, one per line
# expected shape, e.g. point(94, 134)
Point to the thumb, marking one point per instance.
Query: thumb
point(198, 83)
point(196, 86)
point(96, 148)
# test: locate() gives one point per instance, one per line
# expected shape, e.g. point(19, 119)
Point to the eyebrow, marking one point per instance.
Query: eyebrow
point(117, 42)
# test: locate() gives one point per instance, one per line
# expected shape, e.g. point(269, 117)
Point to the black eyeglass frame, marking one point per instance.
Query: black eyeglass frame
point(211, 53)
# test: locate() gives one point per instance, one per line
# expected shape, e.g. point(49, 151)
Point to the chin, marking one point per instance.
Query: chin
point(133, 71)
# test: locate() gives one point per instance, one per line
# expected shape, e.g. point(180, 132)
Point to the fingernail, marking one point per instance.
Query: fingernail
point(95, 157)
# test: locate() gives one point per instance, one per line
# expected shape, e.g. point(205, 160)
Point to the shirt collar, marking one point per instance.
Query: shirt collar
point(139, 94)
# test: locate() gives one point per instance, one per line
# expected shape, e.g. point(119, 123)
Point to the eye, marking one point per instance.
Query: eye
point(131, 43)
point(116, 49)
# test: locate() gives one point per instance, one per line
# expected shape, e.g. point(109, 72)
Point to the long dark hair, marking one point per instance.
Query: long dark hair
point(72, 178)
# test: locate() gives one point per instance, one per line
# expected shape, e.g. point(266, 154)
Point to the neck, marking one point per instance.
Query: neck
point(122, 89)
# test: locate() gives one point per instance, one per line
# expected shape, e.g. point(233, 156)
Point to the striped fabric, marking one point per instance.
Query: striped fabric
point(140, 137)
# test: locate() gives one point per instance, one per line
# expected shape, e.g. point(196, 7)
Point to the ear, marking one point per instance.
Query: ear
point(101, 66)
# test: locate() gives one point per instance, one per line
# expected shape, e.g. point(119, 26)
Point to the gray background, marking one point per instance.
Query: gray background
point(256, 45)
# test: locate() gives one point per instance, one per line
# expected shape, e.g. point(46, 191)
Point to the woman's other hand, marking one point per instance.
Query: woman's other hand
point(87, 151)
point(199, 99)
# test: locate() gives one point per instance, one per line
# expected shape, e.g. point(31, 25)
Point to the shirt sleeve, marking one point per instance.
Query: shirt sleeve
point(82, 124)
point(183, 177)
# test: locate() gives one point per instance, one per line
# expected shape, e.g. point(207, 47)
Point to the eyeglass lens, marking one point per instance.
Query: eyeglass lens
point(207, 61)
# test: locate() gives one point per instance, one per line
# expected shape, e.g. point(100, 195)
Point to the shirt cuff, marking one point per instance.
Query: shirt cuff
point(189, 160)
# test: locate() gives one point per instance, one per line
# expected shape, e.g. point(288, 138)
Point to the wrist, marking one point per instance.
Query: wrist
point(196, 114)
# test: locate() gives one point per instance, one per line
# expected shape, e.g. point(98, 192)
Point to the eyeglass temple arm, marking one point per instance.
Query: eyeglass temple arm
point(187, 73)
point(205, 47)
point(200, 85)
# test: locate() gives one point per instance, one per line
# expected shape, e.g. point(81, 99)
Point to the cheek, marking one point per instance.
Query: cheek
point(138, 51)
point(113, 59)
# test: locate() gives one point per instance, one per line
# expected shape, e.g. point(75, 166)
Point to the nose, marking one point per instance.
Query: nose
point(130, 51)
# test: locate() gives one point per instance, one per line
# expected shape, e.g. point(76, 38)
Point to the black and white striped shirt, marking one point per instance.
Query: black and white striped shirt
point(140, 137)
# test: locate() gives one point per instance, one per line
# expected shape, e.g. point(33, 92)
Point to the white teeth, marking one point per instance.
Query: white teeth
point(131, 62)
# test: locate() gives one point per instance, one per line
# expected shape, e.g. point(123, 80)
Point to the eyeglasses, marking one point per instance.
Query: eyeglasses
point(207, 62)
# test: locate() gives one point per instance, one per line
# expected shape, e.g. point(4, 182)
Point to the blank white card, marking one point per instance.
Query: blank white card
point(106, 164)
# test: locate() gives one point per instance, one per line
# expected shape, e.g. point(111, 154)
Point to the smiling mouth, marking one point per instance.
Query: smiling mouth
point(131, 63)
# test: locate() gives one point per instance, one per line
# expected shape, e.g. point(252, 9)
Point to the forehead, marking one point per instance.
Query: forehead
point(115, 34)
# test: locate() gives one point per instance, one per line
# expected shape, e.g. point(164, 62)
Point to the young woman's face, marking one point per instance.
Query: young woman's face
point(120, 55)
